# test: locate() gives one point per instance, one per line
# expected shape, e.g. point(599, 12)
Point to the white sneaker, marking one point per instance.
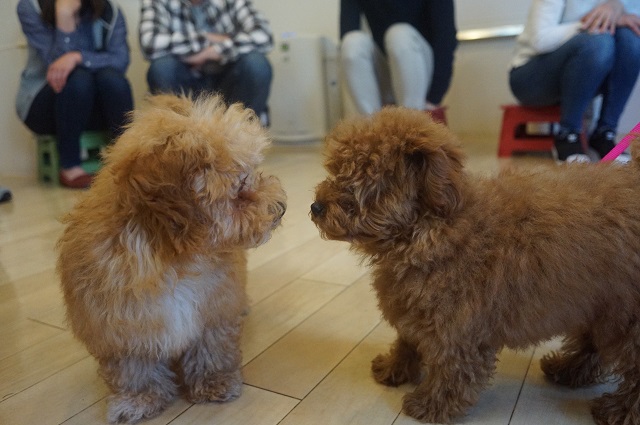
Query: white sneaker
point(623, 158)
point(576, 157)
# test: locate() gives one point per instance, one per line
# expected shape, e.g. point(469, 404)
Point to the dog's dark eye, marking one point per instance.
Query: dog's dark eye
point(246, 190)
point(348, 206)
point(243, 183)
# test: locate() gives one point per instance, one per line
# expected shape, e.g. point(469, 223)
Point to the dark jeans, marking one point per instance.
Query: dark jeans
point(90, 100)
point(247, 80)
point(580, 69)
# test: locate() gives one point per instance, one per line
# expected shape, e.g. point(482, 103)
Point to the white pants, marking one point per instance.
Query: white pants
point(402, 77)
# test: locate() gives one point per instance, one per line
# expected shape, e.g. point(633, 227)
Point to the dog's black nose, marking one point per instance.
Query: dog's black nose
point(278, 209)
point(317, 208)
point(283, 208)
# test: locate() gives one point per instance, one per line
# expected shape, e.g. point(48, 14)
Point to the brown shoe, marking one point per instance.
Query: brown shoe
point(83, 181)
point(438, 114)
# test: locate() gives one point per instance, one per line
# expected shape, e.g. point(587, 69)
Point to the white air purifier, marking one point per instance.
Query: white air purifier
point(305, 95)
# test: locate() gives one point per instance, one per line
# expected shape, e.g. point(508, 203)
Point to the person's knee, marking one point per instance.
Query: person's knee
point(113, 81)
point(256, 68)
point(165, 74)
point(627, 38)
point(404, 43)
point(628, 43)
point(80, 81)
point(399, 34)
point(598, 50)
point(355, 45)
point(403, 39)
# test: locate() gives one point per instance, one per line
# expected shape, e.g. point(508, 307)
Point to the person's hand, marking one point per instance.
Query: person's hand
point(217, 38)
point(66, 14)
point(209, 53)
point(59, 70)
point(603, 18)
point(631, 21)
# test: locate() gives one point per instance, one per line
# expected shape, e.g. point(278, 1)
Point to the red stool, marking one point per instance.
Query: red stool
point(513, 139)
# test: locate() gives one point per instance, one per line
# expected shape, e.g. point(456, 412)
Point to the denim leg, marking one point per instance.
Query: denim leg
point(583, 76)
point(41, 118)
point(619, 84)
point(247, 80)
point(570, 75)
point(168, 74)
point(73, 107)
point(114, 99)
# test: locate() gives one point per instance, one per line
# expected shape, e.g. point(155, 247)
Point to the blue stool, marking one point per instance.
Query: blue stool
point(91, 143)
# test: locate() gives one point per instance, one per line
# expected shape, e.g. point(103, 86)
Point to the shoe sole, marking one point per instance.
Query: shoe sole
point(576, 157)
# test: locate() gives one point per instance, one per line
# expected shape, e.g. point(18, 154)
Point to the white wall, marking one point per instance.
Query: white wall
point(479, 84)
point(17, 151)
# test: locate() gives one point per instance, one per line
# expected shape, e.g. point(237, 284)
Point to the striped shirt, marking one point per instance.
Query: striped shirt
point(169, 27)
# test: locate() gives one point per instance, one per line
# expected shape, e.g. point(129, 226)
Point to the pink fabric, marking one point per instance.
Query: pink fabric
point(624, 144)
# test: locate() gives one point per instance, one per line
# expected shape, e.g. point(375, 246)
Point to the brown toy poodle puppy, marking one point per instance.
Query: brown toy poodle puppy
point(152, 259)
point(464, 265)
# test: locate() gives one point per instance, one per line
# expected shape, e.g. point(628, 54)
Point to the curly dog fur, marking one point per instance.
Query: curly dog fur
point(464, 266)
point(152, 260)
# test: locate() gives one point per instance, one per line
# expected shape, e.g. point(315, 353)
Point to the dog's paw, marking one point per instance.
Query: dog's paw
point(216, 387)
point(427, 410)
point(134, 408)
point(574, 371)
point(614, 409)
point(386, 371)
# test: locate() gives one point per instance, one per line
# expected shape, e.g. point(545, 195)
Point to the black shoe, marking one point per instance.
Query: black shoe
point(5, 194)
point(603, 140)
point(567, 148)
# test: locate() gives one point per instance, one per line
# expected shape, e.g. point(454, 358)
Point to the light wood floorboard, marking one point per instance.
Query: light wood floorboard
point(309, 337)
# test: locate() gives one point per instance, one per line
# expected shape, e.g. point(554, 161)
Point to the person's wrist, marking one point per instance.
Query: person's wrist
point(213, 53)
point(74, 56)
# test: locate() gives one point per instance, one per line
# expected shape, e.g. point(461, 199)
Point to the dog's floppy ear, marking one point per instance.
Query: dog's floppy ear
point(163, 203)
point(438, 167)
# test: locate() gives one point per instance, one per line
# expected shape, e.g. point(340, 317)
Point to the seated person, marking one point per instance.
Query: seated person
point(406, 59)
point(569, 52)
point(197, 46)
point(74, 79)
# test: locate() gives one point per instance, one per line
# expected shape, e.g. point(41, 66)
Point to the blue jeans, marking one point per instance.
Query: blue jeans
point(247, 80)
point(90, 100)
point(579, 70)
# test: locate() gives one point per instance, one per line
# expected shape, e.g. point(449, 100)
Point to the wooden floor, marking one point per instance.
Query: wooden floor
point(308, 342)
